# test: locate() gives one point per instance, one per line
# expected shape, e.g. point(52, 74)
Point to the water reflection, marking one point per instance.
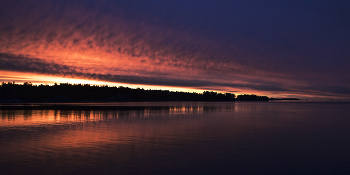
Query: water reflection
point(175, 138)
point(33, 115)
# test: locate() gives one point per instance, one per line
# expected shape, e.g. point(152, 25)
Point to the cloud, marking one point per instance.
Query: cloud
point(276, 47)
point(21, 63)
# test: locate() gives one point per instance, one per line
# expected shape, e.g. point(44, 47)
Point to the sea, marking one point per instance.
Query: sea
point(175, 138)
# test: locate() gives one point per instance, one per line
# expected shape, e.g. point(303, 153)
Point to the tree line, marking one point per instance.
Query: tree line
point(65, 92)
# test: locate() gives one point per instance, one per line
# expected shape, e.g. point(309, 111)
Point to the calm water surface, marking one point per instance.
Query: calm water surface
point(176, 138)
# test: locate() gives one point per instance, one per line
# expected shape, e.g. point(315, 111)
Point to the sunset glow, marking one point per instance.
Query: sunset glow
point(201, 48)
point(38, 79)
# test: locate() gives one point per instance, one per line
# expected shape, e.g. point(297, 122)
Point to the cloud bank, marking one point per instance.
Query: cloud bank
point(276, 48)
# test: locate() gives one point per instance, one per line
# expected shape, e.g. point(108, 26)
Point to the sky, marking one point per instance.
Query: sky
point(276, 48)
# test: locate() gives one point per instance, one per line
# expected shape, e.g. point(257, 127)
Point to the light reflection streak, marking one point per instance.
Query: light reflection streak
point(62, 129)
point(27, 118)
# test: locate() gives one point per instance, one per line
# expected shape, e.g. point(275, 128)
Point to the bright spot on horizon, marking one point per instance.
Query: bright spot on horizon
point(37, 79)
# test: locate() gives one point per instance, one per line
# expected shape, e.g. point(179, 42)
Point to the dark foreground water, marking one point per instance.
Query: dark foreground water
point(176, 138)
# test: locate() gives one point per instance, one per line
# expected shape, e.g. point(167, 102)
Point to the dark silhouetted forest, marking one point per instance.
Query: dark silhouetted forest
point(64, 92)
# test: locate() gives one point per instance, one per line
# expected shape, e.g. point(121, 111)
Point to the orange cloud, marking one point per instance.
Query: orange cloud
point(70, 41)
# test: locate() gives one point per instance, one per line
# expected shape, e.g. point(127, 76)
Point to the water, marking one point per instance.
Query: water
point(175, 138)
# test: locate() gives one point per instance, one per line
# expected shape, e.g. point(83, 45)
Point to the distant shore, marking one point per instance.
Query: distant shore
point(73, 93)
point(284, 99)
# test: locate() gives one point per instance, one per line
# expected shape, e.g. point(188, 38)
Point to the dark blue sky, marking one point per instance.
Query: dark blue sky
point(278, 48)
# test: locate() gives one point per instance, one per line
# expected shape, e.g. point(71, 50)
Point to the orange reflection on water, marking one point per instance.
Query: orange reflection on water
point(22, 118)
point(46, 130)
